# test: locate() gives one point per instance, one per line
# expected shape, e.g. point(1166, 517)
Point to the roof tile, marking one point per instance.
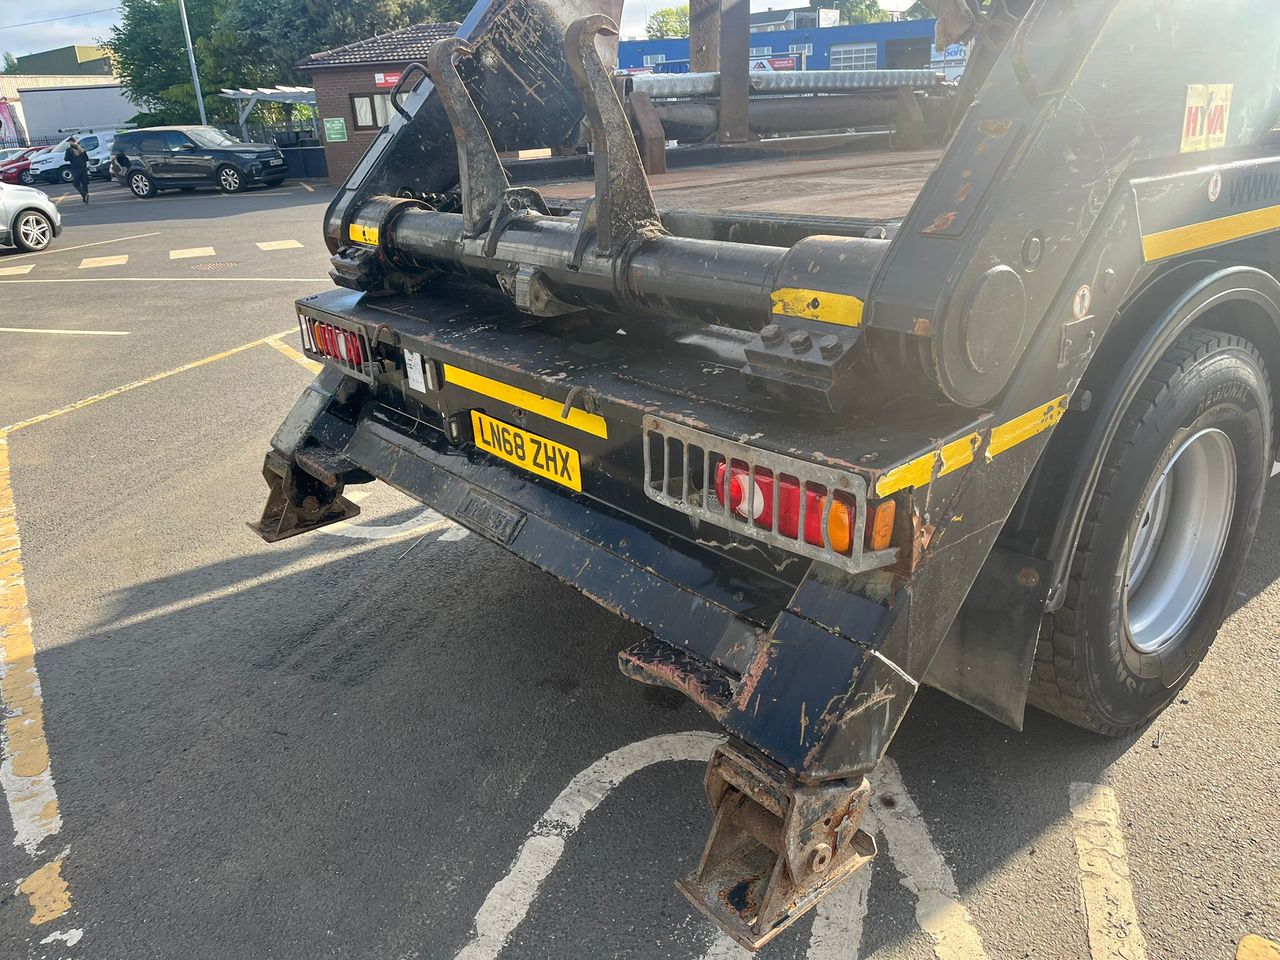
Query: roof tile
point(409, 43)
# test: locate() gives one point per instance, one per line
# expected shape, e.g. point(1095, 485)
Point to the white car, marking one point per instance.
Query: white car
point(28, 218)
point(52, 166)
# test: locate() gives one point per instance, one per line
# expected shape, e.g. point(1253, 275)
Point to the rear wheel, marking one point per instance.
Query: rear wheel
point(141, 185)
point(64, 174)
point(229, 179)
point(32, 231)
point(1165, 538)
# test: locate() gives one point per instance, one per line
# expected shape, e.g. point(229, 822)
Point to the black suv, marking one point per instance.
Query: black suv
point(165, 158)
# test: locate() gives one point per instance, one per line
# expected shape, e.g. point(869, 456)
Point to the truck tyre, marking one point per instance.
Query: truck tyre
point(141, 185)
point(1165, 538)
point(230, 179)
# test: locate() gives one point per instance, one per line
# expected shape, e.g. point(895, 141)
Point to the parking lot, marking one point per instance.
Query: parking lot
point(391, 739)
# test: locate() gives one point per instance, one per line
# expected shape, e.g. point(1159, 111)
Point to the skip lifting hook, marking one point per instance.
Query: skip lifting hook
point(590, 401)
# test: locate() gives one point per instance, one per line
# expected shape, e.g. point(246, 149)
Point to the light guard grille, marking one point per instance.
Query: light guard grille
point(679, 472)
point(345, 347)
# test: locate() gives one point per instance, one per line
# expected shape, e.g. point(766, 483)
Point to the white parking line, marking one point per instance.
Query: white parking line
point(189, 252)
point(509, 900)
point(280, 245)
point(116, 261)
point(1114, 931)
point(79, 246)
point(308, 187)
point(16, 271)
point(79, 333)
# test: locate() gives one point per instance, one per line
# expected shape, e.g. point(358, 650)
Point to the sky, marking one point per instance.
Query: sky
point(33, 38)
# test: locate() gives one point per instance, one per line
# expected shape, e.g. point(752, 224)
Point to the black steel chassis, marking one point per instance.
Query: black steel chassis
point(979, 317)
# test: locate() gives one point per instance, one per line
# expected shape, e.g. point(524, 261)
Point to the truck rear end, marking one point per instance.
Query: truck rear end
point(821, 459)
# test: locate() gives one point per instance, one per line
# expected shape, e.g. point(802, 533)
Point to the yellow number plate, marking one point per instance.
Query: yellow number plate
point(536, 454)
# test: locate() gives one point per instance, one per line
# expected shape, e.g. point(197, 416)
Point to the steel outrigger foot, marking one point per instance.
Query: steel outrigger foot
point(776, 847)
point(300, 502)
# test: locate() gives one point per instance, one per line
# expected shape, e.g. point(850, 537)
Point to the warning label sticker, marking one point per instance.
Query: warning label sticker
point(1204, 126)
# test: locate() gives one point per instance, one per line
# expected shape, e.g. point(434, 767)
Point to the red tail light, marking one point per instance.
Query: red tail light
point(347, 348)
point(840, 521)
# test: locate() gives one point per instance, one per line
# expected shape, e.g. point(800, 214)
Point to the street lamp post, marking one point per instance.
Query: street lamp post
point(191, 57)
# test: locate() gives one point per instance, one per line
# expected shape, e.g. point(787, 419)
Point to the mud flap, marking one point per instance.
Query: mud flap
point(776, 848)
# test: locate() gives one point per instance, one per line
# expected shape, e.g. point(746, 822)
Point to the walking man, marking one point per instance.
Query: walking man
point(78, 159)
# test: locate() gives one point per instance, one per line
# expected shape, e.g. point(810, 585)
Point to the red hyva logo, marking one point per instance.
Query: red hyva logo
point(1207, 114)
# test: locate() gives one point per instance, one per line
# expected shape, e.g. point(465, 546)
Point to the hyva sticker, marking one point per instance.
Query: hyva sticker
point(1204, 127)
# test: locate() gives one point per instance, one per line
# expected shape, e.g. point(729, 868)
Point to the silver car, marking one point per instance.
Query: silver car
point(28, 218)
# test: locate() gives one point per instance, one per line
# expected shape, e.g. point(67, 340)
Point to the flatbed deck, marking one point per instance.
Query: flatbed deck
point(880, 185)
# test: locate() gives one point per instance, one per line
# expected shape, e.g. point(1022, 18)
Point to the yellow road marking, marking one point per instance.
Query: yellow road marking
point(48, 893)
point(189, 252)
point(1254, 947)
point(25, 775)
point(16, 271)
point(960, 453)
point(837, 308)
point(296, 356)
point(591, 423)
point(80, 333)
point(98, 398)
point(280, 245)
point(115, 261)
point(1110, 913)
point(1198, 236)
point(80, 246)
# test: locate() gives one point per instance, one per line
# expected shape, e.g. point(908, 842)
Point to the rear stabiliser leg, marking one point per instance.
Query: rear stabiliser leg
point(776, 846)
point(300, 501)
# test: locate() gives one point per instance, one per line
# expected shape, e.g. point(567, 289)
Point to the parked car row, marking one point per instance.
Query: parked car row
point(153, 159)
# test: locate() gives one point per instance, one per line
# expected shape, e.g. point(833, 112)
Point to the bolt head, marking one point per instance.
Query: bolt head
point(800, 341)
point(821, 858)
point(771, 333)
point(829, 346)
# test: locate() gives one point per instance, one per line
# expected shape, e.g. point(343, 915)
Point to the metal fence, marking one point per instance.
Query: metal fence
point(8, 142)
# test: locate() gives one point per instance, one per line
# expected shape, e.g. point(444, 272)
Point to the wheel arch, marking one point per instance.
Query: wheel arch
point(1208, 294)
point(13, 221)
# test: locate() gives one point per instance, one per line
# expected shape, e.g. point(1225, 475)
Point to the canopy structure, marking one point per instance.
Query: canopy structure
point(249, 97)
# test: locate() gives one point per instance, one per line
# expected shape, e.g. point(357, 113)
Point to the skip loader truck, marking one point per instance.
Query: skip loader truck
point(1009, 439)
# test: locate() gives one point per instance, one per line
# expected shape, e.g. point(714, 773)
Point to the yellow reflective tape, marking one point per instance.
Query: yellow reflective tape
point(1198, 236)
point(960, 453)
point(839, 308)
point(920, 471)
point(363, 234)
point(1025, 427)
point(543, 406)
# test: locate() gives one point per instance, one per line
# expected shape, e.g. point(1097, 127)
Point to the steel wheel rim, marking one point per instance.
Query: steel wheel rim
point(35, 231)
point(1178, 540)
point(140, 185)
point(230, 179)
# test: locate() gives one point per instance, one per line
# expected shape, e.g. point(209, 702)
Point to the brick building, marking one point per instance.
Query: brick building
point(353, 86)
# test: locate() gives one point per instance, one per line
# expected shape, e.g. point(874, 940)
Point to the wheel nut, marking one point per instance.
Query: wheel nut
point(821, 858)
point(800, 341)
point(771, 333)
point(829, 346)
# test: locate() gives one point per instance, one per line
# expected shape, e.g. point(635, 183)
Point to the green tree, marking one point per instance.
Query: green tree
point(862, 11)
point(10, 63)
point(917, 11)
point(668, 22)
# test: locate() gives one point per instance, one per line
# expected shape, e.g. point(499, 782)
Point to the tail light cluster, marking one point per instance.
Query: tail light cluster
point(349, 349)
point(805, 508)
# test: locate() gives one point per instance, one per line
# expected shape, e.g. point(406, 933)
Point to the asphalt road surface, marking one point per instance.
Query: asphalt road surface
point(392, 740)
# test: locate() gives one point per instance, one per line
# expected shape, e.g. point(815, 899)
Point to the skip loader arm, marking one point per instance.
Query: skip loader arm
point(790, 463)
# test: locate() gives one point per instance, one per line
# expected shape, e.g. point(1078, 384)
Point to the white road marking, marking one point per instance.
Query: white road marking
point(25, 774)
point(115, 261)
point(16, 271)
point(426, 522)
point(1114, 931)
point(80, 333)
point(837, 921)
point(280, 245)
point(308, 187)
point(509, 900)
point(69, 937)
point(725, 947)
point(924, 872)
point(80, 246)
point(1275, 471)
point(188, 252)
point(457, 533)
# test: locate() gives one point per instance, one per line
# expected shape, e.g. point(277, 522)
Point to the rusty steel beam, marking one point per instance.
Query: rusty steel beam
point(653, 139)
point(704, 36)
point(735, 77)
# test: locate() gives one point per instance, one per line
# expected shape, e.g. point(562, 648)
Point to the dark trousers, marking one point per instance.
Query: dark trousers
point(80, 180)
